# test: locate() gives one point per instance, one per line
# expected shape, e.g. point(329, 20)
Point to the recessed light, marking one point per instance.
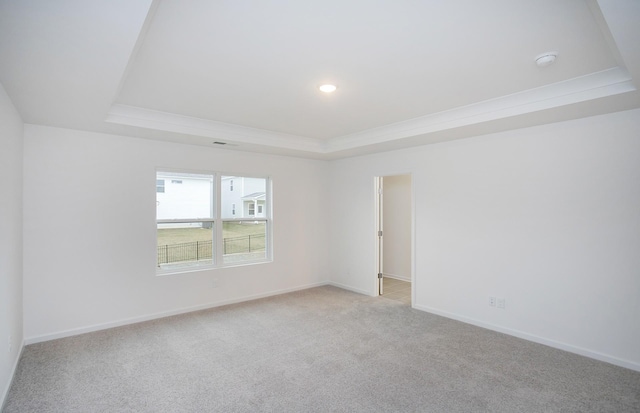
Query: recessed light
point(545, 59)
point(328, 88)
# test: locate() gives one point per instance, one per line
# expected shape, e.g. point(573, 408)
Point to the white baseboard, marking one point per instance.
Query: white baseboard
point(353, 289)
point(13, 375)
point(397, 277)
point(133, 320)
point(516, 333)
point(536, 339)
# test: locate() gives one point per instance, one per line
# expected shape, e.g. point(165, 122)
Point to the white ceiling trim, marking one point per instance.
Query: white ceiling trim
point(219, 131)
point(593, 86)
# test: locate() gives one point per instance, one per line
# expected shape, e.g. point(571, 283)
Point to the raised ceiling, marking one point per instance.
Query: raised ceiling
point(246, 72)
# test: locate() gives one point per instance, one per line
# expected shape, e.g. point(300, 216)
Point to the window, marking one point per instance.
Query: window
point(186, 221)
point(245, 239)
point(260, 209)
point(252, 209)
point(199, 227)
point(159, 185)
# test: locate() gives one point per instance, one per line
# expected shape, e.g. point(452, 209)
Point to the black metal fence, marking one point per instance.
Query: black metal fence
point(244, 244)
point(202, 250)
point(186, 251)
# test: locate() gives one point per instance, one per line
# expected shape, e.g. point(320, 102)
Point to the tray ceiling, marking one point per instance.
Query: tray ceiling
point(246, 73)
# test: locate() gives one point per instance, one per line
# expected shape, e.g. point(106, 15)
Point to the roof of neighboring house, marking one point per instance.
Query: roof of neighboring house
point(254, 196)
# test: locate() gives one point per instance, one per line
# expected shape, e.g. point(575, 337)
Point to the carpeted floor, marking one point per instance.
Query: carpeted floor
point(317, 350)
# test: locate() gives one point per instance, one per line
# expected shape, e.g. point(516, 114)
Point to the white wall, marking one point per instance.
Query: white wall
point(396, 214)
point(547, 218)
point(10, 240)
point(89, 232)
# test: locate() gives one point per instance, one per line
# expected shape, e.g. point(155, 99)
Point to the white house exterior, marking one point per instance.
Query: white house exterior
point(183, 196)
point(188, 196)
point(243, 197)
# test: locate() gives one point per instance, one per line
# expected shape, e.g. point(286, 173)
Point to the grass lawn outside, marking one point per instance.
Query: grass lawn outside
point(170, 236)
point(194, 244)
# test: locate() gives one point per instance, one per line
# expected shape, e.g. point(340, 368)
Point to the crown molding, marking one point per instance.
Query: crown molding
point(593, 86)
point(589, 87)
point(219, 131)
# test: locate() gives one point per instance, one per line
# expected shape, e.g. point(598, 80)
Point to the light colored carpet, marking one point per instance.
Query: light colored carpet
point(318, 350)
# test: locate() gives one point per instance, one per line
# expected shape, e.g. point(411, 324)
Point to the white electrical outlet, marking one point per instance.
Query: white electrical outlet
point(492, 301)
point(501, 303)
point(214, 282)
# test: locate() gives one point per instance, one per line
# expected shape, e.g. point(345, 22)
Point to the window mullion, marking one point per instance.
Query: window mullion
point(217, 214)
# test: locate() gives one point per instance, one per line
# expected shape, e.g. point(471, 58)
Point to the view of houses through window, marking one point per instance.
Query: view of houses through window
point(199, 226)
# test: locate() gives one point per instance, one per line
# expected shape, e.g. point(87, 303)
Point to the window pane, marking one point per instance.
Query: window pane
point(248, 194)
point(243, 241)
point(184, 196)
point(185, 244)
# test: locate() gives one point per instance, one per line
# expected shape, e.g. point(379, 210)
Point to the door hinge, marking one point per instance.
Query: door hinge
point(379, 275)
point(379, 233)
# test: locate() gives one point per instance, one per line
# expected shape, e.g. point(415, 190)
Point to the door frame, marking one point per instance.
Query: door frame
point(378, 224)
point(379, 235)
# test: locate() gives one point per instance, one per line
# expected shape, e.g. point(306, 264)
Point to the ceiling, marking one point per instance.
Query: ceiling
point(246, 73)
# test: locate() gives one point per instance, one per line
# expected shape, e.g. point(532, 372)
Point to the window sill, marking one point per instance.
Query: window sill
point(175, 270)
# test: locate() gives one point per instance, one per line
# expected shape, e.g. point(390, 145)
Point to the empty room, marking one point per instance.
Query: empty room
point(320, 206)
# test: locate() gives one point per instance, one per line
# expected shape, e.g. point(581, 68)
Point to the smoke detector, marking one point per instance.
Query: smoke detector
point(545, 59)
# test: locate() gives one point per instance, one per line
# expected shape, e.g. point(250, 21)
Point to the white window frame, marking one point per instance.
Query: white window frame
point(217, 223)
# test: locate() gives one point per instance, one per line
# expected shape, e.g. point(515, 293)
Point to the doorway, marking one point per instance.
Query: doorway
point(394, 229)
